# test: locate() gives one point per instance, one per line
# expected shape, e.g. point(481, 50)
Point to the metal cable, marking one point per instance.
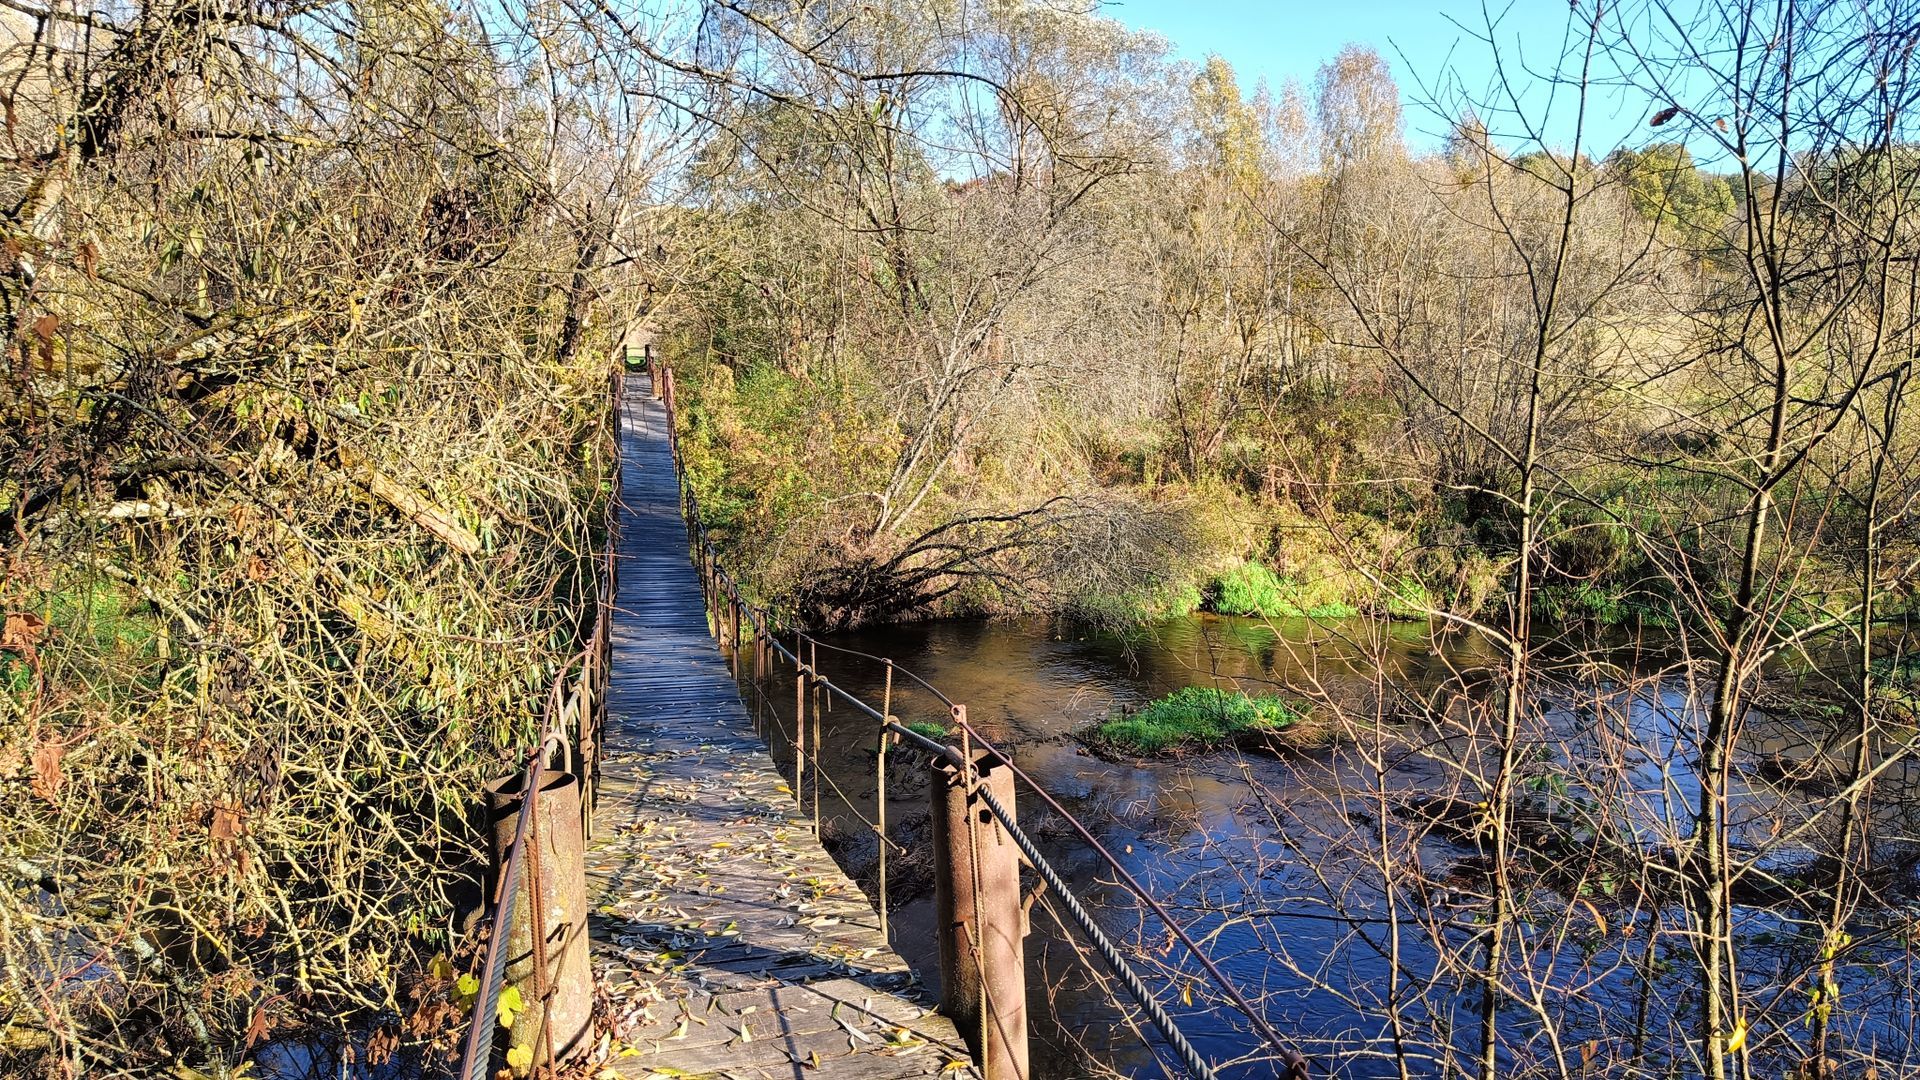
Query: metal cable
point(1136, 988)
point(1296, 1062)
point(1109, 952)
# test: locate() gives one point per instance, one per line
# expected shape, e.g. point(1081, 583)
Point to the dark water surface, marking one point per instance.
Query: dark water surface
point(1284, 843)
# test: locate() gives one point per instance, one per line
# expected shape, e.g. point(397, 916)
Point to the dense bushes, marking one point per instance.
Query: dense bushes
point(298, 517)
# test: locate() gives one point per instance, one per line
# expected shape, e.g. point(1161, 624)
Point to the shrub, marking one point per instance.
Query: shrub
point(1582, 602)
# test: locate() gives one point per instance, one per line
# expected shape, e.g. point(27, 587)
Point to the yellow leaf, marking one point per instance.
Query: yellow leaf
point(440, 968)
point(511, 1005)
point(519, 1059)
point(1738, 1039)
point(1186, 995)
point(467, 988)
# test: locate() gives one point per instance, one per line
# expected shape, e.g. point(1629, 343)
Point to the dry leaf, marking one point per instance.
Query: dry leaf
point(258, 1029)
point(44, 328)
point(23, 633)
point(46, 770)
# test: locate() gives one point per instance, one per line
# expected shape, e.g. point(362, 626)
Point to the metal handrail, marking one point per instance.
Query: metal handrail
point(717, 577)
point(572, 724)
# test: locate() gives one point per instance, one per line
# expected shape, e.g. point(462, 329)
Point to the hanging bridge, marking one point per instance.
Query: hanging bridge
point(663, 848)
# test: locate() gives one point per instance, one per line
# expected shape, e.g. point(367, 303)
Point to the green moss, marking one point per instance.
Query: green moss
point(102, 613)
point(1197, 717)
point(16, 676)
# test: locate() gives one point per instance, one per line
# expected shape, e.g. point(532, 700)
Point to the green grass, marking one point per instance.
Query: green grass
point(927, 729)
point(1409, 599)
point(1252, 589)
point(1200, 718)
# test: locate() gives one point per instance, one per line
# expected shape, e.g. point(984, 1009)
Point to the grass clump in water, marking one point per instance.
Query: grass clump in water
point(1204, 717)
point(927, 729)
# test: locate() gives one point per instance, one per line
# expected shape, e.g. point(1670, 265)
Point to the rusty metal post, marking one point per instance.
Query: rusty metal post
point(880, 792)
point(559, 889)
point(800, 736)
point(983, 984)
point(813, 663)
point(733, 613)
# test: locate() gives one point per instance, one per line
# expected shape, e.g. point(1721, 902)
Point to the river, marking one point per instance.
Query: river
point(1276, 861)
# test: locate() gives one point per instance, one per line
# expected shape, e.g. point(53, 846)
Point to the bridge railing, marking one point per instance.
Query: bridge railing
point(525, 877)
point(978, 781)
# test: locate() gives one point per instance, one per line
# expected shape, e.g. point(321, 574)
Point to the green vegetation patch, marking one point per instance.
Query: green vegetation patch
point(927, 729)
point(1203, 718)
point(1252, 589)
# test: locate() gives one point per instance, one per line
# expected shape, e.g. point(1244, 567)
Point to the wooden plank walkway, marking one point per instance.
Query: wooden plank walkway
point(726, 943)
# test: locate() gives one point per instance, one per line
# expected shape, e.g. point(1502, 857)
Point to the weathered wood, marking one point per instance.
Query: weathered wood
point(711, 896)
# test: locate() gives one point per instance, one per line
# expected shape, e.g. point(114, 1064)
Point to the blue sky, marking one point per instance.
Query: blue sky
point(1280, 39)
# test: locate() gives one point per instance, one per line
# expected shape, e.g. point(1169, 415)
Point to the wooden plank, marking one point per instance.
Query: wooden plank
point(726, 941)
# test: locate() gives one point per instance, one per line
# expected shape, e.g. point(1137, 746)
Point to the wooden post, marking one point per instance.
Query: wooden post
point(554, 871)
point(983, 974)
